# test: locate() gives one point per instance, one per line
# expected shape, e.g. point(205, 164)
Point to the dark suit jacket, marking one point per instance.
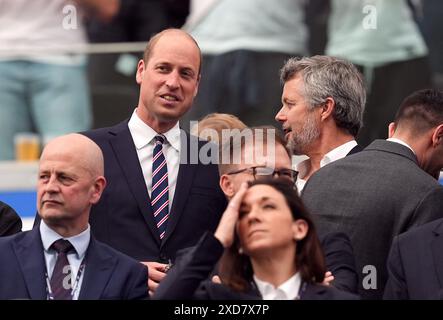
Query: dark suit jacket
point(187, 279)
point(10, 222)
point(415, 264)
point(373, 196)
point(124, 219)
point(339, 259)
point(108, 273)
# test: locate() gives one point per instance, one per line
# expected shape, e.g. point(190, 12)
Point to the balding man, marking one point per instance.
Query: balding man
point(60, 259)
point(160, 197)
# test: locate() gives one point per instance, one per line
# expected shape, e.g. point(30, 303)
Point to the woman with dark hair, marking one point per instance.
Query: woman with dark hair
point(268, 247)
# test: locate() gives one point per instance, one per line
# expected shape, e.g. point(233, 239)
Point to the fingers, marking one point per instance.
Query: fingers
point(238, 197)
point(216, 279)
point(328, 278)
point(156, 274)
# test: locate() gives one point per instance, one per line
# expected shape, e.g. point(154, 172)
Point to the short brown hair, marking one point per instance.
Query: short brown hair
point(217, 122)
point(421, 111)
point(232, 146)
point(154, 39)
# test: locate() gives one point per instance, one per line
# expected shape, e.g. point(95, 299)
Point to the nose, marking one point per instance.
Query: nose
point(173, 80)
point(52, 185)
point(281, 115)
point(253, 215)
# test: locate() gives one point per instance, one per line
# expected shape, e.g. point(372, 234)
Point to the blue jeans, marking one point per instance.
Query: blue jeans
point(47, 98)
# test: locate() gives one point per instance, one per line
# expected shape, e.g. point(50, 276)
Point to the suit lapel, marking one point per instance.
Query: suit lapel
point(437, 252)
point(29, 252)
point(125, 152)
point(354, 150)
point(185, 178)
point(98, 272)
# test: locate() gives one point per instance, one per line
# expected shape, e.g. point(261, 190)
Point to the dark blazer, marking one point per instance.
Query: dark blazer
point(373, 196)
point(124, 219)
point(187, 279)
point(108, 273)
point(415, 264)
point(10, 222)
point(339, 259)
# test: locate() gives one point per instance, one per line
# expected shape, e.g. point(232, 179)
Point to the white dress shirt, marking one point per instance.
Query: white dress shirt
point(286, 291)
point(143, 136)
point(333, 155)
point(80, 242)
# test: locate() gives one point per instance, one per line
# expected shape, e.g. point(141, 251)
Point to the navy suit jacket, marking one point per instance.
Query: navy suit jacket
point(123, 218)
point(187, 279)
point(415, 264)
point(10, 222)
point(340, 260)
point(108, 273)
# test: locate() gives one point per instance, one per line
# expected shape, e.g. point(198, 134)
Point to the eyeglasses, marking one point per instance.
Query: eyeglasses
point(258, 172)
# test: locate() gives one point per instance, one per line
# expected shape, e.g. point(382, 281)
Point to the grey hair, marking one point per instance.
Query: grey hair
point(325, 77)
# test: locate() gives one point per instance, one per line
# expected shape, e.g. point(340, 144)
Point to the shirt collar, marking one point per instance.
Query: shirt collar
point(290, 288)
point(333, 155)
point(142, 134)
point(401, 142)
point(338, 153)
point(80, 241)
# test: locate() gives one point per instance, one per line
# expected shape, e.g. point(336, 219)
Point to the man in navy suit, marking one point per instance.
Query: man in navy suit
point(168, 75)
point(415, 264)
point(34, 266)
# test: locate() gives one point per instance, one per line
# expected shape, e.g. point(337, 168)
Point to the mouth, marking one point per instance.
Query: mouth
point(286, 131)
point(51, 202)
point(170, 97)
point(254, 232)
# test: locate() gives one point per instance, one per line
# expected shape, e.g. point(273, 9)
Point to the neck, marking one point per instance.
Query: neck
point(156, 124)
point(66, 229)
point(275, 267)
point(327, 142)
point(422, 148)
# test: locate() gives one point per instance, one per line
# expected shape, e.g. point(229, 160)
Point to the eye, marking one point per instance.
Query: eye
point(43, 176)
point(162, 68)
point(268, 206)
point(187, 74)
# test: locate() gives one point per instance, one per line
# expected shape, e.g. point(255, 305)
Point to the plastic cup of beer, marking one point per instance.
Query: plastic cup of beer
point(27, 146)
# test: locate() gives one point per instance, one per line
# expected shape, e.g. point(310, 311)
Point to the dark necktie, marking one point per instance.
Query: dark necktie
point(61, 281)
point(160, 188)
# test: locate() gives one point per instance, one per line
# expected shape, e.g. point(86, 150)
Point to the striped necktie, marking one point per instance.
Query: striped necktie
point(61, 281)
point(160, 188)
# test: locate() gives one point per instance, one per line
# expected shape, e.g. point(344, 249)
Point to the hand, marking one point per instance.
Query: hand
point(226, 227)
point(328, 278)
point(156, 274)
point(216, 279)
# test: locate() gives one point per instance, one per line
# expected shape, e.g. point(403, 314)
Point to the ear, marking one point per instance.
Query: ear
point(140, 71)
point(299, 229)
point(196, 87)
point(391, 129)
point(327, 108)
point(227, 186)
point(437, 136)
point(97, 189)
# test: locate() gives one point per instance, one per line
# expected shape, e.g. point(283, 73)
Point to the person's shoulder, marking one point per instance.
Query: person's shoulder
point(106, 132)
point(428, 229)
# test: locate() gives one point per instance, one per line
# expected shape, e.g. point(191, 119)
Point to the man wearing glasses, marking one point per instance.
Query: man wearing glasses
point(260, 156)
